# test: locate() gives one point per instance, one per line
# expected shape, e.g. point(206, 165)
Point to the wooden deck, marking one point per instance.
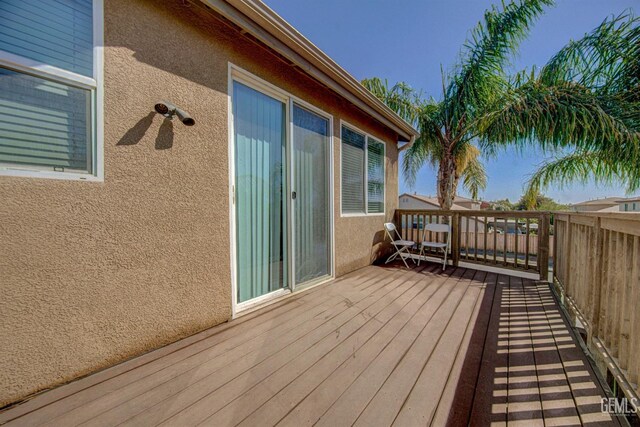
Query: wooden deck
point(380, 346)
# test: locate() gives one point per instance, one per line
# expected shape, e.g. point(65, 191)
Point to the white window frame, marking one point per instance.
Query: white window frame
point(366, 174)
point(240, 75)
point(93, 84)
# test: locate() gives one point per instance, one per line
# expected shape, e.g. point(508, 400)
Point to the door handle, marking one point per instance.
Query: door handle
point(293, 195)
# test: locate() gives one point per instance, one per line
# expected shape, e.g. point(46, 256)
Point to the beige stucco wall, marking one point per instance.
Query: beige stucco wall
point(94, 273)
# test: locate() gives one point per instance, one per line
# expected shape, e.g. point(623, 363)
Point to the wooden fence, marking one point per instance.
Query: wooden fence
point(511, 239)
point(597, 269)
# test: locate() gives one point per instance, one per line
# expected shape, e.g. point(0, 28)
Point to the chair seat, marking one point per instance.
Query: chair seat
point(434, 244)
point(403, 243)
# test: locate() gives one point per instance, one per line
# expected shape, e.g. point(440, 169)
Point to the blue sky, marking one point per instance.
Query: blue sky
point(408, 40)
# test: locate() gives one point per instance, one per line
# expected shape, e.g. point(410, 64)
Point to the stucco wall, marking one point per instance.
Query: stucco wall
point(95, 273)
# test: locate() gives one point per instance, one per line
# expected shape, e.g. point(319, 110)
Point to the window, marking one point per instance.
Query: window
point(50, 96)
point(362, 173)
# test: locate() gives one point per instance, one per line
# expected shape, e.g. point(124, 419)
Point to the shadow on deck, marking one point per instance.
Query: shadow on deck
point(524, 365)
point(379, 346)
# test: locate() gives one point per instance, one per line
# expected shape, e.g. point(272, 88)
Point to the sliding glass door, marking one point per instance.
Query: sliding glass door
point(260, 193)
point(311, 187)
point(282, 194)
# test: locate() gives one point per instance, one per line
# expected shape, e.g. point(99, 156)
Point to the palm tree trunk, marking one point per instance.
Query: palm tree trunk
point(447, 181)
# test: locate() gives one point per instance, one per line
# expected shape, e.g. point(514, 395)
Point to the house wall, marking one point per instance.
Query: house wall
point(469, 204)
point(407, 202)
point(595, 208)
point(629, 207)
point(95, 273)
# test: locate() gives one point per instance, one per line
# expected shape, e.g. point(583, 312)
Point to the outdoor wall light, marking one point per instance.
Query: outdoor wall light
point(168, 110)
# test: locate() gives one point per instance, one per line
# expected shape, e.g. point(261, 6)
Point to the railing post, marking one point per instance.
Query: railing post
point(596, 261)
point(566, 283)
point(455, 239)
point(543, 247)
point(397, 220)
point(554, 273)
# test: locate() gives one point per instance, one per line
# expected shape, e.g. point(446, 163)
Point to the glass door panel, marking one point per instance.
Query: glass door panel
point(311, 205)
point(260, 189)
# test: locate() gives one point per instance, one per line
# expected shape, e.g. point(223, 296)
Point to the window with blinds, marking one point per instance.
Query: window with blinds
point(375, 176)
point(362, 170)
point(353, 154)
point(47, 113)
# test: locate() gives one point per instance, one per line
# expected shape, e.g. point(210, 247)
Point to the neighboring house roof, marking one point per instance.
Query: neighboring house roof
point(261, 23)
point(434, 201)
point(596, 202)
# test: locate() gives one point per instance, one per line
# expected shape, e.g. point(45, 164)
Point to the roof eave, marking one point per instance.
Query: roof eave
point(264, 24)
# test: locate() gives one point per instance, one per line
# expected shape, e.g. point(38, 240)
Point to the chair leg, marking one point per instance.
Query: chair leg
point(420, 257)
point(444, 264)
point(393, 256)
point(405, 261)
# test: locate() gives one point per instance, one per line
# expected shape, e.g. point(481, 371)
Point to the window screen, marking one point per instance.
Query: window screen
point(375, 176)
point(43, 123)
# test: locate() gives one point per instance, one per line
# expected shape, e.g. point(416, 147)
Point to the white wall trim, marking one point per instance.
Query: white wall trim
point(45, 71)
point(232, 183)
point(98, 69)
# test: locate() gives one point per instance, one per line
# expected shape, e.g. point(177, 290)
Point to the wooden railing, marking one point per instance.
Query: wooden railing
point(511, 239)
point(597, 270)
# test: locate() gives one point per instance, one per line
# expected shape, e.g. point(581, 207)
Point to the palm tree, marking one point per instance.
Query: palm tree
point(584, 109)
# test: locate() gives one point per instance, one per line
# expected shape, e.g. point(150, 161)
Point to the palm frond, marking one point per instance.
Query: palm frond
point(471, 170)
point(606, 59)
point(582, 167)
point(401, 98)
point(564, 115)
point(479, 76)
point(425, 115)
point(425, 150)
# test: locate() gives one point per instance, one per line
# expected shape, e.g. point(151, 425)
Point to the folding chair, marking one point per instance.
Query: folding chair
point(436, 228)
point(401, 246)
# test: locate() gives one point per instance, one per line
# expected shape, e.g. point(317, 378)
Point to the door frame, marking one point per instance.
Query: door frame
point(244, 77)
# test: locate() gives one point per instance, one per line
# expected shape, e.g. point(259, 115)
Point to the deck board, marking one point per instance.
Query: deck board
point(521, 406)
point(380, 346)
